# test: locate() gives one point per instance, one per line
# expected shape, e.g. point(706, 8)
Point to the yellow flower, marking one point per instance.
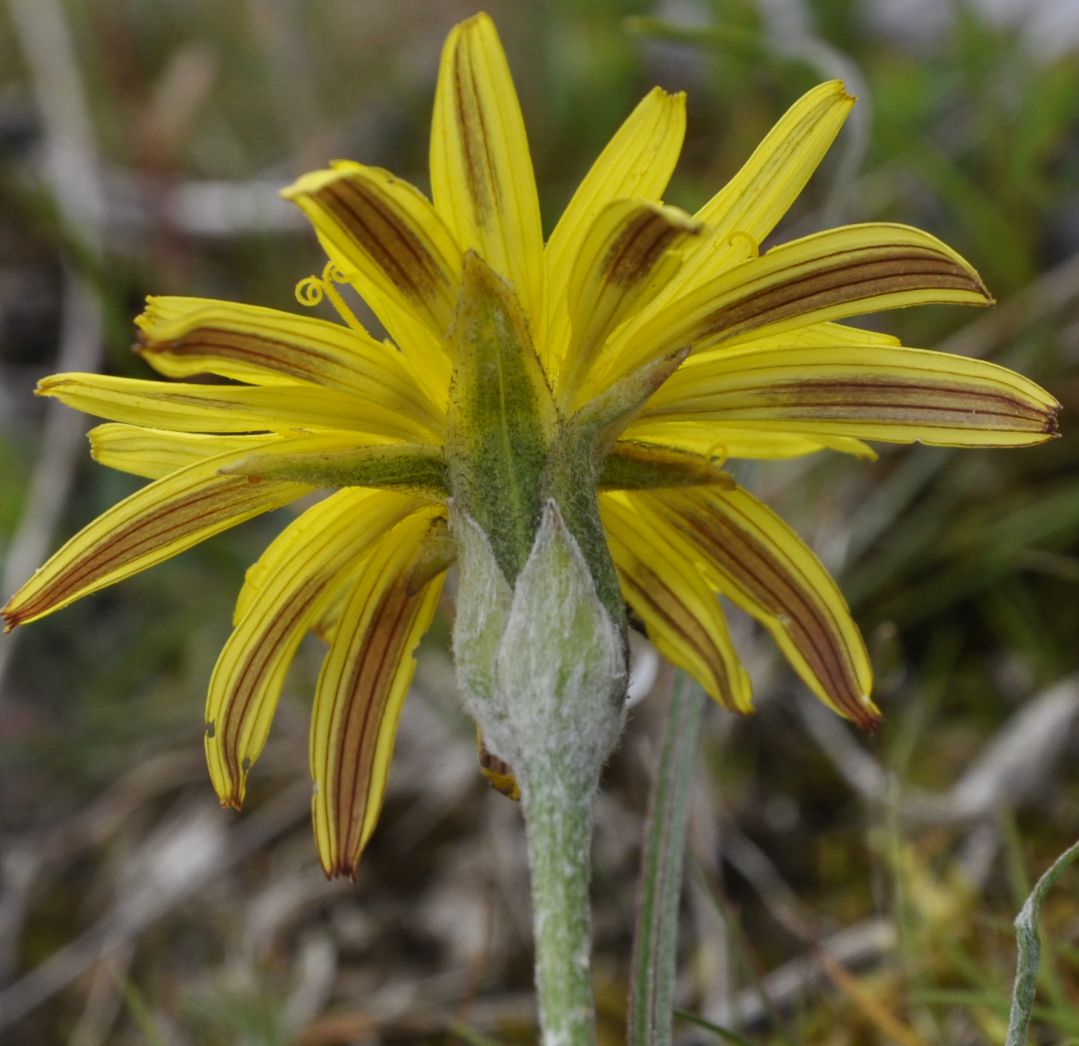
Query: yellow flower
point(652, 343)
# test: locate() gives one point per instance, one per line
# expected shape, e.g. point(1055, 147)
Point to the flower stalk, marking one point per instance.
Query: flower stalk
point(543, 669)
point(558, 825)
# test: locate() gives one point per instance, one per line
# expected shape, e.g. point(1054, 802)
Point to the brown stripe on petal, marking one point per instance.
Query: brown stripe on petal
point(392, 243)
point(262, 350)
point(945, 403)
point(948, 403)
point(649, 594)
point(778, 591)
point(479, 165)
point(178, 518)
point(376, 655)
point(639, 246)
point(333, 367)
point(260, 658)
point(854, 275)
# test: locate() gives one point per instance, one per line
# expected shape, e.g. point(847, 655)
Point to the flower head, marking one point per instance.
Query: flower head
point(594, 383)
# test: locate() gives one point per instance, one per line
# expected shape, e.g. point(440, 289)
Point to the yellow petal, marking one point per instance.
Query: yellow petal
point(762, 566)
point(361, 688)
point(423, 353)
point(834, 335)
point(152, 525)
point(181, 337)
point(624, 260)
point(721, 442)
point(898, 395)
point(828, 276)
point(224, 408)
point(636, 164)
point(384, 234)
point(743, 213)
point(156, 452)
point(680, 611)
point(438, 554)
point(295, 579)
point(481, 171)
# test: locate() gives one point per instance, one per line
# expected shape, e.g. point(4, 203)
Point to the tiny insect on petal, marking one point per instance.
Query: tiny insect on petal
point(497, 772)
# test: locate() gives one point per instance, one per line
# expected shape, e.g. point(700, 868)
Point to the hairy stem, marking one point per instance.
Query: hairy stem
point(558, 820)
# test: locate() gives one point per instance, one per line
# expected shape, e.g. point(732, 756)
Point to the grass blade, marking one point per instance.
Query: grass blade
point(1026, 935)
point(652, 989)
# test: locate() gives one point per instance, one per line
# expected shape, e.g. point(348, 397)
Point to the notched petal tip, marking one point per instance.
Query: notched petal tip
point(670, 97)
point(11, 618)
point(841, 89)
point(869, 718)
point(340, 870)
point(1052, 420)
point(47, 386)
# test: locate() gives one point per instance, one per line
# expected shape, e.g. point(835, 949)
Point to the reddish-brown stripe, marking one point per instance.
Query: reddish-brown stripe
point(484, 190)
point(636, 250)
point(844, 396)
point(285, 357)
point(373, 675)
point(282, 357)
point(841, 398)
point(851, 279)
point(393, 246)
point(746, 562)
point(648, 592)
point(370, 680)
point(250, 677)
point(181, 515)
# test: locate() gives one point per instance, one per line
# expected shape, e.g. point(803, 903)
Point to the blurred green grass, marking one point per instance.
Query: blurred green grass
point(962, 567)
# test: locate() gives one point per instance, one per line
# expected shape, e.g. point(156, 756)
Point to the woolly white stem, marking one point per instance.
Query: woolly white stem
point(543, 672)
point(558, 822)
